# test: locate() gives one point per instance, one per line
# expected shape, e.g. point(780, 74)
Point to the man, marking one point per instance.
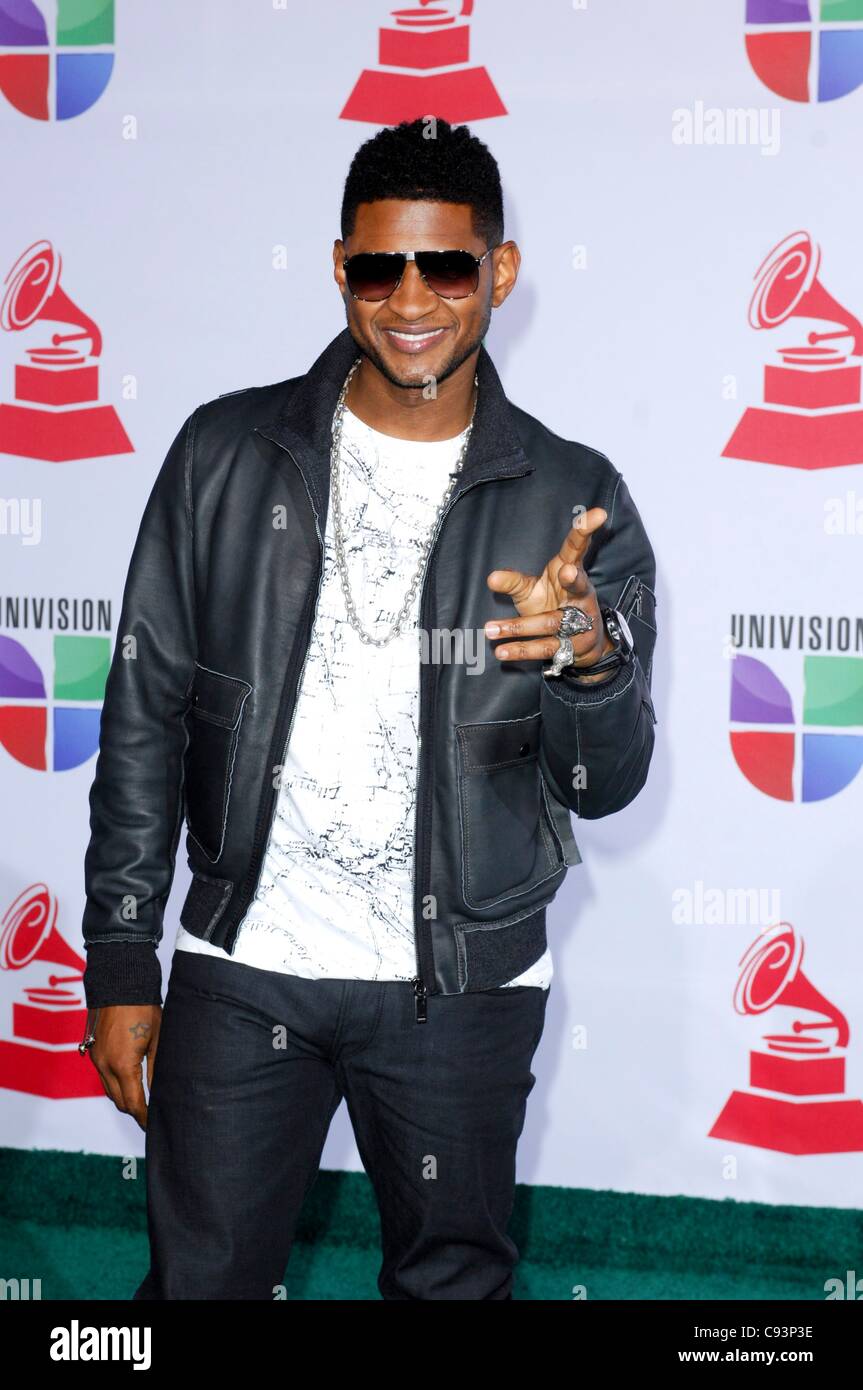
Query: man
point(378, 816)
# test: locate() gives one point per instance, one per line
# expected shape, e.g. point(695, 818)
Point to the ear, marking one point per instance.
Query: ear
point(338, 257)
point(506, 259)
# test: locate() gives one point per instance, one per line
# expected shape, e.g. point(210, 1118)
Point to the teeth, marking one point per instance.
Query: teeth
point(414, 337)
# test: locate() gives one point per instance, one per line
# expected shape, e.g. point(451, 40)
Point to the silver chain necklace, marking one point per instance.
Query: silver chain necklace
point(338, 533)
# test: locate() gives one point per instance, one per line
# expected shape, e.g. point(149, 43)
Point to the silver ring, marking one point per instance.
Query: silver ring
point(563, 657)
point(573, 620)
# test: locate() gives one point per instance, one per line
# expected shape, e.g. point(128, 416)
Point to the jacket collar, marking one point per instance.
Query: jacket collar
point(303, 424)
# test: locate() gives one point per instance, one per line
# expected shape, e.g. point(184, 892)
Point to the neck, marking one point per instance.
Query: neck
point(405, 412)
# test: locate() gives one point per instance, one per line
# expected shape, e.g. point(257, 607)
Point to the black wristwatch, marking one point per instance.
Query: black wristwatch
point(618, 630)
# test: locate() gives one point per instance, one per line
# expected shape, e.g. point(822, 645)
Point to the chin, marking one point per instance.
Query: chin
point(411, 374)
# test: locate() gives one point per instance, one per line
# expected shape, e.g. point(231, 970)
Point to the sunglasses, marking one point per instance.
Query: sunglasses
point(375, 275)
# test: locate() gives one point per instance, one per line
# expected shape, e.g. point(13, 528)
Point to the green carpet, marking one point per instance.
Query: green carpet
point(73, 1221)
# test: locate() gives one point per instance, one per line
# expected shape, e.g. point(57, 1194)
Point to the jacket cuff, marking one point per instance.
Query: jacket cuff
point(567, 689)
point(122, 972)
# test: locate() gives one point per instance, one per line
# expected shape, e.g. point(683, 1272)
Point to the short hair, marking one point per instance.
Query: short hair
point(429, 160)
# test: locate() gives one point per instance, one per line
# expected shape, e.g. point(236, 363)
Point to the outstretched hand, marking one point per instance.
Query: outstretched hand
point(538, 599)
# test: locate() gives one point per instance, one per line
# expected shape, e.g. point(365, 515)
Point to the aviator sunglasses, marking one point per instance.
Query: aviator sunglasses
point(375, 275)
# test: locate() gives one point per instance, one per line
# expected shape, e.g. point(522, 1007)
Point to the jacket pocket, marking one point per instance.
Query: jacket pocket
point(213, 721)
point(506, 836)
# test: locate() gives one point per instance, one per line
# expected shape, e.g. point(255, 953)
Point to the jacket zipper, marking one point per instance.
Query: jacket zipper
point(261, 841)
point(632, 605)
point(425, 977)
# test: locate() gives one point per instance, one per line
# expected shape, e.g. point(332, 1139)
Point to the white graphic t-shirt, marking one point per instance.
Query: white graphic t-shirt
point(335, 897)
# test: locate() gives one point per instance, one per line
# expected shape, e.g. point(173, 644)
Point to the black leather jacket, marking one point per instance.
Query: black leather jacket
point(216, 617)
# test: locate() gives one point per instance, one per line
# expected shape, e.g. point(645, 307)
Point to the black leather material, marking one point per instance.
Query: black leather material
point(507, 843)
point(220, 598)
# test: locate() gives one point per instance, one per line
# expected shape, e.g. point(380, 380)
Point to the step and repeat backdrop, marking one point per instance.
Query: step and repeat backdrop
point(682, 179)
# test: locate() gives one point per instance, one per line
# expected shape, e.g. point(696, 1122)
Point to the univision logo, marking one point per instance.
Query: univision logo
point(806, 760)
point(53, 724)
point(806, 50)
point(56, 57)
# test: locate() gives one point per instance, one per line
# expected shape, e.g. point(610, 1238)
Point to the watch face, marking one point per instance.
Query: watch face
point(624, 627)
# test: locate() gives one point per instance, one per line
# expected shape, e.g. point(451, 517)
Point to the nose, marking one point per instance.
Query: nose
point(413, 299)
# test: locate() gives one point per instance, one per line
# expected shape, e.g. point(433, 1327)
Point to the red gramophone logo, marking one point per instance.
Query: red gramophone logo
point(796, 1102)
point(424, 67)
point(48, 1020)
point(811, 416)
point(56, 415)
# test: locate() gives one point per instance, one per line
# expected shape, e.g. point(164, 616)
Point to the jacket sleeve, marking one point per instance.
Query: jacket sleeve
point(136, 802)
point(597, 741)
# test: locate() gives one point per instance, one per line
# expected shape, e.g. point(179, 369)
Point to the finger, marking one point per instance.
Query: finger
point(544, 648)
point(134, 1100)
point(535, 625)
point(512, 582)
point(105, 1086)
point(573, 582)
point(111, 1082)
point(578, 539)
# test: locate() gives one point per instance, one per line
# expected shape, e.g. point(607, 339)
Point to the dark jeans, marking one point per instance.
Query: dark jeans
point(250, 1068)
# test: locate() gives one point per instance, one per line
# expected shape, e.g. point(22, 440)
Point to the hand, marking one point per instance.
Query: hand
point(538, 599)
point(125, 1035)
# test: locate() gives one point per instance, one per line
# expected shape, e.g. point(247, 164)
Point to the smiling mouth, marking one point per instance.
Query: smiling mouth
point(414, 342)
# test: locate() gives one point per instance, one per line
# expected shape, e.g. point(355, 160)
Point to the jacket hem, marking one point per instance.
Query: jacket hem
point(472, 956)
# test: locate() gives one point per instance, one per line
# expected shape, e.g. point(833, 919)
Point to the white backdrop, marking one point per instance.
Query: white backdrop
point(217, 142)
